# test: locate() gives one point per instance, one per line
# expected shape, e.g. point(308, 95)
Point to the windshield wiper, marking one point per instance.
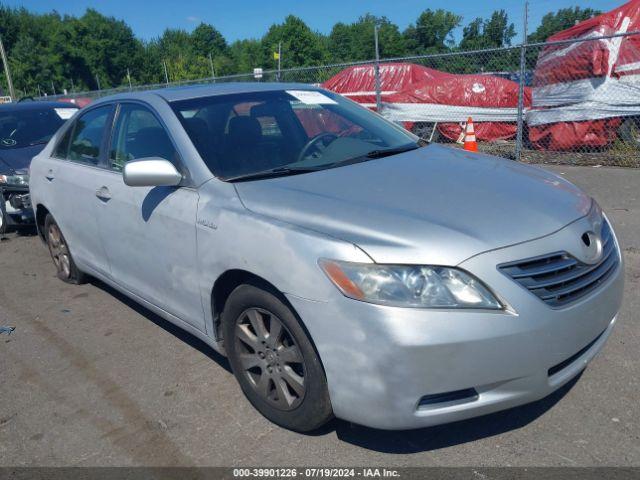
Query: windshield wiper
point(387, 152)
point(274, 172)
point(285, 171)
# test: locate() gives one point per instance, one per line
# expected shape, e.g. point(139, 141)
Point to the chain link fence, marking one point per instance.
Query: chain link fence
point(568, 102)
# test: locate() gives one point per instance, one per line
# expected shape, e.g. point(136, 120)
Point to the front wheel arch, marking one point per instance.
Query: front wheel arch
point(232, 279)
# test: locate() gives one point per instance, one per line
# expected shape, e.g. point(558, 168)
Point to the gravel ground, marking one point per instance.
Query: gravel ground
point(89, 378)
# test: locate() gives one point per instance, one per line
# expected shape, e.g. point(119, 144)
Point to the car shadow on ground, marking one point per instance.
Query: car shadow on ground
point(396, 442)
point(178, 332)
point(442, 436)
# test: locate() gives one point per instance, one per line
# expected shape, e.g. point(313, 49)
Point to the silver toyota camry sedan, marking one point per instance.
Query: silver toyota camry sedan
point(343, 267)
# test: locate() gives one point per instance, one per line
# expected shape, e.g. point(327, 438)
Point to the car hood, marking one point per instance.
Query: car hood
point(17, 160)
point(433, 205)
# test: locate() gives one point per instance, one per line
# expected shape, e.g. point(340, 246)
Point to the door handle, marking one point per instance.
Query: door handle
point(103, 194)
point(50, 176)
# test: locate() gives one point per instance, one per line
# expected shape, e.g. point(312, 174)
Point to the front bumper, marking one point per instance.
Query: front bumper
point(382, 362)
point(15, 205)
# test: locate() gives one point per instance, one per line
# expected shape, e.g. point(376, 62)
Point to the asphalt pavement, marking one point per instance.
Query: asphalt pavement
point(89, 378)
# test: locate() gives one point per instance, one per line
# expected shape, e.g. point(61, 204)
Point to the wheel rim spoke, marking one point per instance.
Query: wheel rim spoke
point(65, 267)
point(250, 360)
point(283, 393)
point(275, 331)
point(295, 381)
point(257, 322)
point(263, 384)
point(244, 334)
point(290, 354)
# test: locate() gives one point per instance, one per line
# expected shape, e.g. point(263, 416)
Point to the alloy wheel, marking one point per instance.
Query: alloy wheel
point(59, 251)
point(270, 358)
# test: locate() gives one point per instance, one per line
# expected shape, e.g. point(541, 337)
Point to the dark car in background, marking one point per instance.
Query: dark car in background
point(25, 129)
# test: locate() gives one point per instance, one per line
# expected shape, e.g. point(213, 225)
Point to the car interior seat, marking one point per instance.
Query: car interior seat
point(243, 150)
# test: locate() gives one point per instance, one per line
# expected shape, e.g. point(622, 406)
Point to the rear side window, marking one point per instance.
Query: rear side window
point(63, 146)
point(138, 134)
point(88, 132)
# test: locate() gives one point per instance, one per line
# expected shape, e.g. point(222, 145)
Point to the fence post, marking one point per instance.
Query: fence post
point(279, 60)
point(521, 82)
point(377, 70)
point(166, 74)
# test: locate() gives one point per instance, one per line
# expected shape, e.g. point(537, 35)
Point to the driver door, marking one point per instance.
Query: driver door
point(149, 233)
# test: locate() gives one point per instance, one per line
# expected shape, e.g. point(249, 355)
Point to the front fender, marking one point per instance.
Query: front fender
point(231, 237)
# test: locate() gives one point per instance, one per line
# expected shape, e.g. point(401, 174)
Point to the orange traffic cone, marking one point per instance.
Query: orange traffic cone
point(470, 143)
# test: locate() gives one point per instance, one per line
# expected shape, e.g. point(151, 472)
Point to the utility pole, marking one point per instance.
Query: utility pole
point(7, 70)
point(213, 73)
point(39, 91)
point(523, 60)
point(53, 88)
point(166, 74)
point(377, 69)
point(73, 87)
point(98, 81)
point(129, 78)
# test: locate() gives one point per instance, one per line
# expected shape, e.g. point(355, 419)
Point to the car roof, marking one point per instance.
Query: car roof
point(33, 106)
point(173, 94)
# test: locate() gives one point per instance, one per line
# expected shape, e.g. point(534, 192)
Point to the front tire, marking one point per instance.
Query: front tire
point(274, 361)
point(66, 268)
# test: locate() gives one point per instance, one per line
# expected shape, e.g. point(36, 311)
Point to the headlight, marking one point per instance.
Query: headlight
point(16, 180)
point(410, 285)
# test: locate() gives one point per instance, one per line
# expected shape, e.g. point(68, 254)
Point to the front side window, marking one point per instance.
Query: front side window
point(242, 135)
point(139, 134)
point(87, 136)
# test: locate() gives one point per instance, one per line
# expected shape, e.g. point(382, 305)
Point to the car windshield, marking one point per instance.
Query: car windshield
point(23, 128)
point(244, 136)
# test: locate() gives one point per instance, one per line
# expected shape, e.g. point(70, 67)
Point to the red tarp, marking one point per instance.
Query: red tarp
point(582, 89)
point(79, 101)
point(413, 93)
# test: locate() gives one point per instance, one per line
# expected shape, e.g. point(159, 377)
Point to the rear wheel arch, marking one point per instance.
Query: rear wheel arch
point(41, 215)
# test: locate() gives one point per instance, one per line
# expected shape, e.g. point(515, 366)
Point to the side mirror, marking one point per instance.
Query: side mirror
point(151, 172)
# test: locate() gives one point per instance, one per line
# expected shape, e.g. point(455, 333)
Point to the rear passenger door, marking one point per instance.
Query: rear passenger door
point(149, 233)
point(73, 177)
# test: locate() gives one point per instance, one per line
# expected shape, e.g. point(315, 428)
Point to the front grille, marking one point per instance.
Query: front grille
point(559, 279)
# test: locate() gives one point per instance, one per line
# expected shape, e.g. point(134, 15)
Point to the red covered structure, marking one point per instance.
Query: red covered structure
point(81, 102)
point(583, 91)
point(413, 93)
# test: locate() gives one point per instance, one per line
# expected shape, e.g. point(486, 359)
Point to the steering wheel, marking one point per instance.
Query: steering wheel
point(313, 143)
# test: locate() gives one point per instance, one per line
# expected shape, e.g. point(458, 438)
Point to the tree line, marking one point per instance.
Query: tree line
point(50, 53)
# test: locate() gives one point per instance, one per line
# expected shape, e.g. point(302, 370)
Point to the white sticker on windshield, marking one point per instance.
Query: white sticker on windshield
point(65, 113)
point(311, 97)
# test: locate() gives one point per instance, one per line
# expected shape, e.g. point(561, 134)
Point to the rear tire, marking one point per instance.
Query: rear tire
point(66, 268)
point(274, 361)
point(4, 221)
